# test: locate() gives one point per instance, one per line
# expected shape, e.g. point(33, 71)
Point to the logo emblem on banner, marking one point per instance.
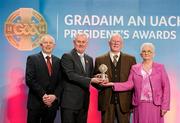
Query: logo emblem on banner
point(24, 27)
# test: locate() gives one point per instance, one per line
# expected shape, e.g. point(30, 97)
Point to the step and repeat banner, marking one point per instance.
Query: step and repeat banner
point(138, 21)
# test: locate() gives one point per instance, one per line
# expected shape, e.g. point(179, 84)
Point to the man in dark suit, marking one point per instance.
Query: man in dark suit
point(43, 79)
point(115, 106)
point(77, 71)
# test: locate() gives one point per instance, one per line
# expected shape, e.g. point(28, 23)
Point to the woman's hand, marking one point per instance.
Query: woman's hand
point(107, 84)
point(163, 112)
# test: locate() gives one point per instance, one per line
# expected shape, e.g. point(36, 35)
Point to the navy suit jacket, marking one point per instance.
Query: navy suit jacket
point(39, 81)
point(76, 81)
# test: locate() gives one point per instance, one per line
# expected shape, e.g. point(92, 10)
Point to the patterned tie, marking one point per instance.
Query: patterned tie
point(115, 60)
point(83, 62)
point(49, 65)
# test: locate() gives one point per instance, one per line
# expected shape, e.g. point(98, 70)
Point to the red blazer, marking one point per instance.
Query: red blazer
point(159, 82)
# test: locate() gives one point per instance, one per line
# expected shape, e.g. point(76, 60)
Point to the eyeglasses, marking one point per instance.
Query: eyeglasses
point(146, 52)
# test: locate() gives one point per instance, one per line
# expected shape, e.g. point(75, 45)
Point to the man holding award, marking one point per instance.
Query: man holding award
point(114, 106)
point(77, 75)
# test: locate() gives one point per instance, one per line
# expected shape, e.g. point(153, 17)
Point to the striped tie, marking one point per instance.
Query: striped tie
point(115, 60)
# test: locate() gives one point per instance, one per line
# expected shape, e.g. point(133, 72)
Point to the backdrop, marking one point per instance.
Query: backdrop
point(138, 21)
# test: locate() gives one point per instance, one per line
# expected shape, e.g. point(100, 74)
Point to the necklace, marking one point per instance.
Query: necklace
point(147, 67)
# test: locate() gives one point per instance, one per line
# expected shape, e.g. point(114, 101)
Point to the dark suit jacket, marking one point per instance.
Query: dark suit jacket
point(76, 81)
point(105, 94)
point(39, 81)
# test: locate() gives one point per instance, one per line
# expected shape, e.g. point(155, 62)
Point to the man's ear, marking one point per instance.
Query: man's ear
point(109, 43)
point(54, 46)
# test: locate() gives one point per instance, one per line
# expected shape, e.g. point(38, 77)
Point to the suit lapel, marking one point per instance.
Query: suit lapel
point(44, 65)
point(138, 68)
point(123, 63)
point(53, 64)
point(154, 69)
point(87, 67)
point(76, 57)
point(108, 62)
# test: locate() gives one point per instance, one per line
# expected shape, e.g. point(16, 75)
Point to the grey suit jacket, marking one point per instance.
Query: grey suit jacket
point(76, 81)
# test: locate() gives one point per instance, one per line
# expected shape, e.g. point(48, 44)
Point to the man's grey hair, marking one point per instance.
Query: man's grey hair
point(115, 34)
point(80, 34)
point(46, 35)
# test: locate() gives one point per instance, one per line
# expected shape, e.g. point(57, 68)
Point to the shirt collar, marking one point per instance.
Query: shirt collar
point(112, 54)
point(79, 54)
point(45, 55)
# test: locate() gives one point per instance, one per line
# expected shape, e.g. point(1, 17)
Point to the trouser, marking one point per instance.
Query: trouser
point(41, 115)
point(114, 114)
point(73, 116)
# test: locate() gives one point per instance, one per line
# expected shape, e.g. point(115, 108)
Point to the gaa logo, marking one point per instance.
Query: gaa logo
point(24, 27)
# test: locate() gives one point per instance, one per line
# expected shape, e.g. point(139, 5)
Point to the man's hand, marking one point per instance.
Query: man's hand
point(52, 98)
point(97, 80)
point(103, 80)
point(49, 99)
point(45, 99)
